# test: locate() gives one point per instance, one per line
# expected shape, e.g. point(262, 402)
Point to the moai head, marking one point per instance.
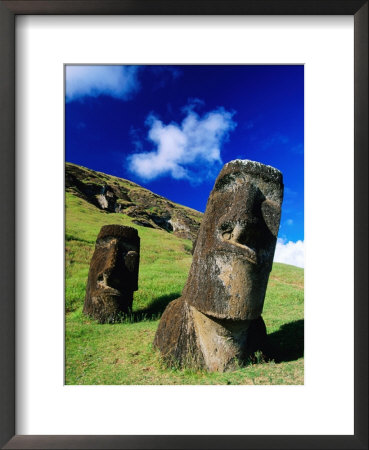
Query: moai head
point(236, 242)
point(113, 274)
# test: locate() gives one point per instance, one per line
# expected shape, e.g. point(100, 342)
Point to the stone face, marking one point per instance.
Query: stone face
point(236, 242)
point(232, 259)
point(113, 274)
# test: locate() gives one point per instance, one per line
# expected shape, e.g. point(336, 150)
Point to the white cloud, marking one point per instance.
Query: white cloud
point(289, 252)
point(115, 81)
point(289, 222)
point(192, 104)
point(190, 150)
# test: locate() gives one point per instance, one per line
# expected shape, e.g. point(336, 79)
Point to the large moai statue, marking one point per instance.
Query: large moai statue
point(217, 322)
point(113, 275)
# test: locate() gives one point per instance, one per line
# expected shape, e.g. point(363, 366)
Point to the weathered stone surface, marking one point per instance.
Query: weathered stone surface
point(113, 274)
point(188, 338)
point(232, 259)
point(176, 336)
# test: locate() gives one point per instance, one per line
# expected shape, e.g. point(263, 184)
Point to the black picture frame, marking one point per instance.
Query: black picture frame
point(8, 11)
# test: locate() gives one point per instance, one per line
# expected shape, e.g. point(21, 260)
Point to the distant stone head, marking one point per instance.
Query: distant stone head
point(113, 274)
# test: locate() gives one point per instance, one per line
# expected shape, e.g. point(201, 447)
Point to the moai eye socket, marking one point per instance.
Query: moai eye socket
point(226, 230)
point(130, 260)
point(100, 281)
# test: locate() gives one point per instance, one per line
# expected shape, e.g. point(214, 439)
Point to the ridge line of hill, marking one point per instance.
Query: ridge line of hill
point(118, 195)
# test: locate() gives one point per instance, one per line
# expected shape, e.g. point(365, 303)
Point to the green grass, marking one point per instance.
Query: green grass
point(122, 353)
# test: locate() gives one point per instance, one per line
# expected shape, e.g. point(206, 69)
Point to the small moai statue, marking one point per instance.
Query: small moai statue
point(217, 322)
point(113, 274)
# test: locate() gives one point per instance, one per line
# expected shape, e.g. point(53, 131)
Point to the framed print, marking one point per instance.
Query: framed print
point(185, 68)
point(189, 140)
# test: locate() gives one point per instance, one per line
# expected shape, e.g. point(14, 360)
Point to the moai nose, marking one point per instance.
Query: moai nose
point(102, 279)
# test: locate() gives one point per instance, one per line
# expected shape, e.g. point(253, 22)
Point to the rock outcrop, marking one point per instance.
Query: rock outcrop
point(113, 274)
point(217, 322)
point(117, 195)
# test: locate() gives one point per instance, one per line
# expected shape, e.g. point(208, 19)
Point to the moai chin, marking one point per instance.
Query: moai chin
point(217, 322)
point(113, 274)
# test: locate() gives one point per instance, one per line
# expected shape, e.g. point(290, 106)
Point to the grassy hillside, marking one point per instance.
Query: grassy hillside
point(113, 194)
point(122, 353)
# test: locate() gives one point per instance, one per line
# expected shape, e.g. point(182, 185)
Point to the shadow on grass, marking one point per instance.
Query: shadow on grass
point(155, 309)
point(70, 237)
point(286, 344)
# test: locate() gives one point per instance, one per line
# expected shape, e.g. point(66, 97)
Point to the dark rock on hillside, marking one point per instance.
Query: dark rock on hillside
point(117, 195)
point(143, 223)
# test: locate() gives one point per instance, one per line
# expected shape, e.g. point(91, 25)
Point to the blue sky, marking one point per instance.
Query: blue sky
point(172, 128)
